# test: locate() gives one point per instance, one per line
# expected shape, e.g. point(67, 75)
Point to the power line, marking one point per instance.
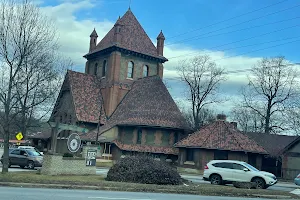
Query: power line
point(198, 37)
point(235, 71)
point(244, 70)
point(278, 30)
point(227, 19)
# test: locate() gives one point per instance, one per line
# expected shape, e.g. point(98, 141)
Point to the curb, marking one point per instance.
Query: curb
point(105, 188)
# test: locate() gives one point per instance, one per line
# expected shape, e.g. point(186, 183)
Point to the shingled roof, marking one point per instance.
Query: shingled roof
point(133, 37)
point(146, 148)
point(148, 103)
point(221, 135)
point(274, 144)
point(86, 96)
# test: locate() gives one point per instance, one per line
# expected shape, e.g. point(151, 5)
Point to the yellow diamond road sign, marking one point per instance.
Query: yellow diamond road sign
point(19, 136)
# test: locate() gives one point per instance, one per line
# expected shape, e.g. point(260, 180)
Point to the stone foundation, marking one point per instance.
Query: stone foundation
point(58, 165)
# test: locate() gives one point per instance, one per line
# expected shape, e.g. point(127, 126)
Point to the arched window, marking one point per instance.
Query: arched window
point(145, 71)
point(104, 68)
point(96, 69)
point(130, 69)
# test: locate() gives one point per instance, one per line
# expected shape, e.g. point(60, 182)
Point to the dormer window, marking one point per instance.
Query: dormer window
point(96, 69)
point(145, 71)
point(130, 69)
point(104, 68)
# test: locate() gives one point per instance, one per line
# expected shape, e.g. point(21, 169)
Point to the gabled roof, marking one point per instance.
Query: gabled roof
point(223, 136)
point(134, 37)
point(274, 144)
point(148, 103)
point(87, 99)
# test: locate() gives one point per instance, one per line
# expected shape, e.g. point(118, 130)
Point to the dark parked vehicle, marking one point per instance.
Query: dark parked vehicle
point(25, 158)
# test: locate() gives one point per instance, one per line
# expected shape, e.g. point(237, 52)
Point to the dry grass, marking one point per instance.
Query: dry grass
point(98, 183)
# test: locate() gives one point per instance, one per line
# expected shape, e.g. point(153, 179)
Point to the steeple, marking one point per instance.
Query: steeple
point(93, 40)
point(160, 43)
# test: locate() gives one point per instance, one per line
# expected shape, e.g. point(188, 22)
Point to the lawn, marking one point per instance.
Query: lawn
point(99, 183)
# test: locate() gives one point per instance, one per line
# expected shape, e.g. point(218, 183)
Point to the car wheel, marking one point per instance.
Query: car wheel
point(30, 165)
point(216, 179)
point(259, 183)
point(22, 166)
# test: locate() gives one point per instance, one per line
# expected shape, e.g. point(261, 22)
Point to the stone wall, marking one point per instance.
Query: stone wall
point(57, 165)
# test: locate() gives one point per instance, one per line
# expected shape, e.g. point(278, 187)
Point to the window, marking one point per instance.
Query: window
point(220, 155)
point(104, 68)
point(130, 70)
point(223, 165)
point(139, 136)
point(150, 137)
point(175, 138)
point(16, 152)
point(96, 69)
point(189, 154)
point(70, 119)
point(23, 153)
point(237, 166)
point(107, 148)
point(145, 71)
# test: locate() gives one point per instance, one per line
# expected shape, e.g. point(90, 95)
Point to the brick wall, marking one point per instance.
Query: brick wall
point(138, 67)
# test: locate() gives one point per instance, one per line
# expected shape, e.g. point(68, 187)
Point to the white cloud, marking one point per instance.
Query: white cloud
point(74, 33)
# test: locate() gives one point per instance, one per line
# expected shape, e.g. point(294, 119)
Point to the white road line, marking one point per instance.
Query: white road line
point(296, 191)
point(112, 198)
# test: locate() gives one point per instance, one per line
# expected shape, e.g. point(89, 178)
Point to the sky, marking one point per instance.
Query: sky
point(234, 33)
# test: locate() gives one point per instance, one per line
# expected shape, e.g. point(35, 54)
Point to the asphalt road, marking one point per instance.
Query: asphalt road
point(12, 193)
point(288, 187)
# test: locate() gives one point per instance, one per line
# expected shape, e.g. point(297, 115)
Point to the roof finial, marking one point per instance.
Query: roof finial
point(129, 5)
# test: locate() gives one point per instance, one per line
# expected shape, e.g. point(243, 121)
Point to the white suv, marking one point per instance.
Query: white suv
point(227, 171)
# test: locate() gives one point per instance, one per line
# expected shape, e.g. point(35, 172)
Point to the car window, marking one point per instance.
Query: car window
point(251, 167)
point(34, 153)
point(15, 152)
point(223, 165)
point(237, 166)
point(23, 153)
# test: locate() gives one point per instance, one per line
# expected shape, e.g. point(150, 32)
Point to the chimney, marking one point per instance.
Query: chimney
point(93, 40)
point(160, 43)
point(221, 117)
point(234, 124)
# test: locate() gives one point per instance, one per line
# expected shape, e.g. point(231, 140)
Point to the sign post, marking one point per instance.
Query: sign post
point(91, 157)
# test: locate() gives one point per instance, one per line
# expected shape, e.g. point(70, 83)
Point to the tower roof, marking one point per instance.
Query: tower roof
point(161, 35)
point(94, 33)
point(134, 37)
point(134, 109)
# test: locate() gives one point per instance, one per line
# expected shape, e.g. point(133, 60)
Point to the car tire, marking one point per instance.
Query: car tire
point(30, 165)
point(22, 166)
point(216, 179)
point(259, 183)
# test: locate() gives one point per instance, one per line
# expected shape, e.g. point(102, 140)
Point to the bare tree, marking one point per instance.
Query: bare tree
point(203, 77)
point(30, 69)
point(206, 115)
point(247, 119)
point(272, 85)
